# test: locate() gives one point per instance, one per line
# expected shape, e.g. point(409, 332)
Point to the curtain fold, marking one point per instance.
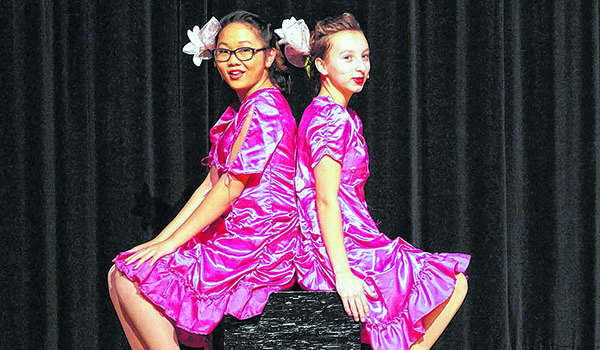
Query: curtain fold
point(482, 120)
point(592, 166)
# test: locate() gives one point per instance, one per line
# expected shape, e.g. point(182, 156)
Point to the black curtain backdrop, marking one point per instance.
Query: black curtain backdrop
point(482, 120)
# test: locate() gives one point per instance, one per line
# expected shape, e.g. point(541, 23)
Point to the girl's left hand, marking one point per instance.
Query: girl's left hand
point(152, 252)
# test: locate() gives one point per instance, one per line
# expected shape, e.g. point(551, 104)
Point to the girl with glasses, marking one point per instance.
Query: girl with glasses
point(233, 243)
point(404, 296)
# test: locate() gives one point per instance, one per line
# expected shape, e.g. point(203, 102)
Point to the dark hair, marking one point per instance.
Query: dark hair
point(278, 71)
point(319, 41)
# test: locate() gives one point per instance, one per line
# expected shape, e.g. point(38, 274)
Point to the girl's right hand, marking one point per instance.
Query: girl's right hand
point(142, 246)
point(353, 291)
point(152, 252)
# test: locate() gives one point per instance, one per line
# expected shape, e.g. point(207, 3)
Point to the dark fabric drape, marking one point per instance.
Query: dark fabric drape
point(482, 120)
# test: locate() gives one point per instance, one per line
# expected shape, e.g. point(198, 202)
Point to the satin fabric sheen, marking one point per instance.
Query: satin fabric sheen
point(409, 283)
point(237, 261)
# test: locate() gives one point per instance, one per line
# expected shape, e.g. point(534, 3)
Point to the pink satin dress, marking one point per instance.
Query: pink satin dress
point(241, 258)
point(409, 283)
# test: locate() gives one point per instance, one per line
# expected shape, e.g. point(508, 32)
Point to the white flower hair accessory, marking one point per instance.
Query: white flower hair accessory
point(296, 37)
point(202, 41)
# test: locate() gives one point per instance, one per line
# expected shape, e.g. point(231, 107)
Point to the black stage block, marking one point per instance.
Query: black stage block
point(293, 320)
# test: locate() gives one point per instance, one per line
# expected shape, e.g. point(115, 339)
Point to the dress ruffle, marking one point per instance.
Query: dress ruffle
point(398, 315)
point(194, 314)
point(433, 285)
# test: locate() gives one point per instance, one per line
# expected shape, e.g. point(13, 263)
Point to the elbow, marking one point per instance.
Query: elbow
point(232, 198)
point(326, 203)
point(234, 188)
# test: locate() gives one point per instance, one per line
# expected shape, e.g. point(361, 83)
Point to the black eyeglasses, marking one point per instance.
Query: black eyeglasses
point(242, 53)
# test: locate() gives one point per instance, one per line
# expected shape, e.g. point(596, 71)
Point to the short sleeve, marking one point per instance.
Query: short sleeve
point(328, 135)
point(264, 133)
point(216, 132)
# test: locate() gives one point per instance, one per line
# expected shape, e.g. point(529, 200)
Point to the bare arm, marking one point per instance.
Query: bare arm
point(220, 197)
point(350, 288)
point(192, 203)
point(327, 177)
point(190, 206)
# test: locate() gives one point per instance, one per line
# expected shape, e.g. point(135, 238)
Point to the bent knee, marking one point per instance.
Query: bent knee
point(462, 286)
point(120, 283)
point(111, 277)
point(113, 274)
point(112, 271)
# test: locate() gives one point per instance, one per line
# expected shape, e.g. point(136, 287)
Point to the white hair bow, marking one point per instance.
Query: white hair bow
point(296, 37)
point(202, 41)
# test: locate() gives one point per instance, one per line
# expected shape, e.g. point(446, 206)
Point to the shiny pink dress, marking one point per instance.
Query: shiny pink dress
point(235, 263)
point(409, 283)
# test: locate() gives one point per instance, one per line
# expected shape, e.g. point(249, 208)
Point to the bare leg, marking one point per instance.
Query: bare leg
point(132, 335)
point(437, 320)
point(145, 325)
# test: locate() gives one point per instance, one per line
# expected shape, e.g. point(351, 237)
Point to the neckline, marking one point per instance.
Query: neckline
point(258, 91)
point(237, 104)
point(331, 101)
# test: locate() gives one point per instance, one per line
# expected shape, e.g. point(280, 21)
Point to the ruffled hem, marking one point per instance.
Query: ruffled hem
point(434, 285)
point(194, 314)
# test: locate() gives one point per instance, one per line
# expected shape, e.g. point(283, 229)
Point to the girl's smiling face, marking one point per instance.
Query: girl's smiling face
point(345, 67)
point(247, 76)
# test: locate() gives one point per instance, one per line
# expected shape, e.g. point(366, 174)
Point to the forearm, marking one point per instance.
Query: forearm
point(191, 205)
point(183, 215)
point(220, 197)
point(330, 223)
point(327, 182)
